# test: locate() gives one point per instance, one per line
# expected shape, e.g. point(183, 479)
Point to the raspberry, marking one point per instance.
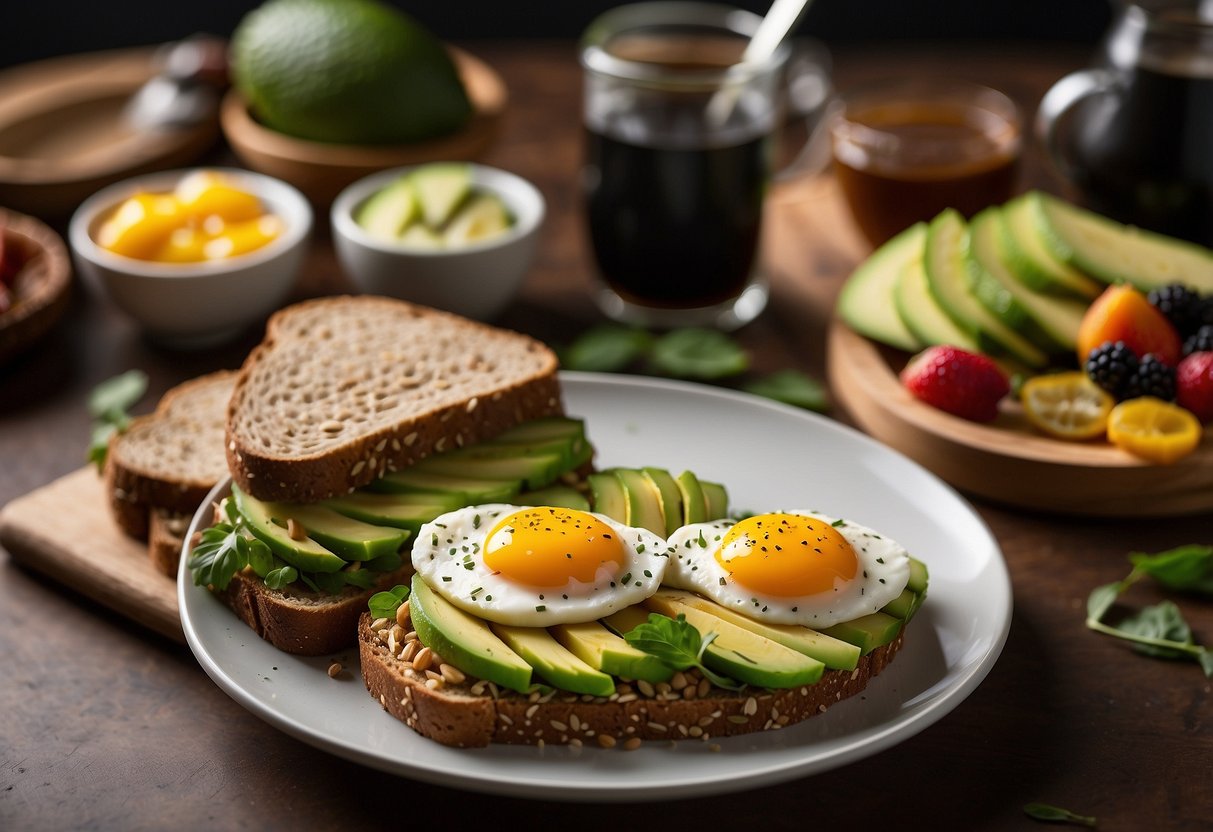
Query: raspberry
point(1153, 378)
point(1194, 380)
point(1111, 365)
point(956, 381)
point(1181, 305)
point(1200, 341)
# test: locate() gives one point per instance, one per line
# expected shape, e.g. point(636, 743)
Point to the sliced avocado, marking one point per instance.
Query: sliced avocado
point(606, 493)
point(831, 652)
point(494, 449)
point(403, 511)
point(694, 505)
point(642, 500)
point(717, 498)
point(904, 605)
point(532, 471)
point(1050, 321)
point(602, 649)
point(482, 218)
point(561, 496)
point(866, 300)
point(922, 313)
point(671, 497)
point(951, 284)
point(418, 236)
point(307, 555)
point(1115, 253)
point(867, 632)
point(464, 640)
point(548, 427)
point(350, 538)
point(470, 491)
point(742, 654)
point(918, 577)
point(389, 211)
point(441, 190)
point(551, 660)
point(1023, 249)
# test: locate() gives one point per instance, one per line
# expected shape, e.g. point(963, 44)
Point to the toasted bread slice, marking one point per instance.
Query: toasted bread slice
point(461, 711)
point(343, 390)
point(171, 458)
point(165, 537)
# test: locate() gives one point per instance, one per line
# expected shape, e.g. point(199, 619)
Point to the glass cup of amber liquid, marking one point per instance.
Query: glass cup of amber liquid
point(904, 151)
point(679, 143)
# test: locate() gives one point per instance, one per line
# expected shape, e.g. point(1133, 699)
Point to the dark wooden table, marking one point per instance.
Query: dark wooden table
point(107, 726)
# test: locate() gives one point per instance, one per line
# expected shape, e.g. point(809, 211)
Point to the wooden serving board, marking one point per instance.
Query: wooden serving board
point(65, 531)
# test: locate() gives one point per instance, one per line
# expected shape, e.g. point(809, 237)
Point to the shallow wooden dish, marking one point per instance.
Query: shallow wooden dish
point(63, 134)
point(1006, 460)
point(322, 169)
point(43, 285)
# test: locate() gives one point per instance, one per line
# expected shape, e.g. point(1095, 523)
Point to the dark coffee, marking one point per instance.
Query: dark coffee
point(675, 227)
point(1144, 154)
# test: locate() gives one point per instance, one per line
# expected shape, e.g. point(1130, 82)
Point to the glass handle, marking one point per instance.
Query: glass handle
point(1061, 98)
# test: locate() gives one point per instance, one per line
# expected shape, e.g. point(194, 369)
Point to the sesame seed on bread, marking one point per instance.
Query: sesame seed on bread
point(345, 389)
point(457, 710)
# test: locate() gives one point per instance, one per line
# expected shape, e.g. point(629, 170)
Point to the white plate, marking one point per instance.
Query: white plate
point(770, 456)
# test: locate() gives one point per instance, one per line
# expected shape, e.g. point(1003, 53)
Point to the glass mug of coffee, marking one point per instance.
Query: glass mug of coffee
point(680, 141)
point(1134, 134)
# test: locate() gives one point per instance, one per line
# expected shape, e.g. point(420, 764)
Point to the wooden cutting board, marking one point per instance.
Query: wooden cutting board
point(64, 530)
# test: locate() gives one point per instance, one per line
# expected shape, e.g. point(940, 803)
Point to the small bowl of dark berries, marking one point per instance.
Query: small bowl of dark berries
point(35, 280)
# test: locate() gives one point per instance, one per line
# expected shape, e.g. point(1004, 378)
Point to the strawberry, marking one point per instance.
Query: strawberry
point(1194, 383)
point(957, 381)
point(1124, 314)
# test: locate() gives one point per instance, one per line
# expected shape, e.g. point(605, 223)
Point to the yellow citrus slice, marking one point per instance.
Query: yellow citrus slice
point(1066, 405)
point(1153, 429)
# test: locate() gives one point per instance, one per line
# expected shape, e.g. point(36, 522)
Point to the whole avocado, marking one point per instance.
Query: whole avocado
point(346, 71)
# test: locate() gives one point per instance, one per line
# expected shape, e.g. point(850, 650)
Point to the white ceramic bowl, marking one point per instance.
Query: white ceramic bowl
point(195, 304)
point(476, 280)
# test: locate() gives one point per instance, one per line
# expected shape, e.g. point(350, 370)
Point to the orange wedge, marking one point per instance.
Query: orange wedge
point(1066, 405)
point(1153, 429)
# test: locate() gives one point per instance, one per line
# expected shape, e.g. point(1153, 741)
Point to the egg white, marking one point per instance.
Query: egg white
point(448, 554)
point(884, 570)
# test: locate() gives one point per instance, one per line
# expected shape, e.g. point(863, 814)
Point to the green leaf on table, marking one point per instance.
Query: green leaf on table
point(385, 604)
point(1163, 622)
point(1055, 814)
point(1101, 600)
point(698, 354)
point(114, 397)
point(1186, 568)
point(99, 442)
point(1205, 657)
point(607, 349)
point(677, 644)
point(791, 387)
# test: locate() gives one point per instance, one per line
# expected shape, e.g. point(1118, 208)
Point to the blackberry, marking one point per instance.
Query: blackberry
point(1153, 378)
point(1111, 365)
point(1183, 307)
point(1200, 341)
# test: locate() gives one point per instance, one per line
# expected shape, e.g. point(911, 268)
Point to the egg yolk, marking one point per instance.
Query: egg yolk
point(549, 547)
point(786, 555)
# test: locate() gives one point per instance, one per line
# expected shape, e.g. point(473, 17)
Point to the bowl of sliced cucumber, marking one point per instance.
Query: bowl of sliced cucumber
point(452, 235)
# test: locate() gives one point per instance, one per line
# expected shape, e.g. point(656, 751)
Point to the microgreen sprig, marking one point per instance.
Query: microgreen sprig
point(108, 405)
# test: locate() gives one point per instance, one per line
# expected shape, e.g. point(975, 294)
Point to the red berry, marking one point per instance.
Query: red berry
point(1194, 383)
point(956, 381)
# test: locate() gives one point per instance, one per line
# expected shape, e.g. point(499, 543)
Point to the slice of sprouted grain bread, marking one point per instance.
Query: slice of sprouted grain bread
point(344, 390)
point(171, 458)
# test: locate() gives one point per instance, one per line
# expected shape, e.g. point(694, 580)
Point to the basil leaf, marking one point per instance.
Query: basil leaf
point(1055, 814)
point(675, 646)
point(698, 354)
point(1206, 662)
point(1188, 568)
point(1101, 599)
point(281, 577)
point(112, 398)
point(385, 604)
point(219, 555)
point(791, 387)
point(1161, 621)
point(607, 349)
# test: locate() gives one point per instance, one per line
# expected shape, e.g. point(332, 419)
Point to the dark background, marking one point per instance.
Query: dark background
point(31, 29)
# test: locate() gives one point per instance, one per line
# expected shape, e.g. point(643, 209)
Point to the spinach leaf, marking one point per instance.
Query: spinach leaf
point(1185, 568)
point(384, 604)
point(607, 349)
point(698, 354)
point(677, 644)
point(791, 387)
point(1160, 622)
point(112, 398)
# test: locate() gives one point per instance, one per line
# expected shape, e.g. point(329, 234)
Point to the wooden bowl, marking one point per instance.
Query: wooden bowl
point(321, 170)
point(42, 288)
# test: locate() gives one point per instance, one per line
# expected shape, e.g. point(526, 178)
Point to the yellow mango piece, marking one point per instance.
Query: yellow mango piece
point(185, 245)
point(204, 194)
point(140, 227)
point(243, 237)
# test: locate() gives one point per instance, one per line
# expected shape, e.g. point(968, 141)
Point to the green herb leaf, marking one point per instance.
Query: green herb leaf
point(698, 354)
point(281, 577)
point(1205, 657)
point(219, 555)
point(384, 604)
point(1101, 599)
point(112, 398)
point(99, 442)
point(791, 387)
point(1055, 814)
point(1162, 622)
point(1186, 568)
point(676, 644)
point(384, 563)
point(607, 349)
point(261, 558)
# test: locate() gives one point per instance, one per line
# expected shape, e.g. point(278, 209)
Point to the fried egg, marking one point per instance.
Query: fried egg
point(538, 566)
point(792, 567)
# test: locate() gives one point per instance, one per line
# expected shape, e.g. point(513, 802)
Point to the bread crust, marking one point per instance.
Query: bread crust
point(310, 477)
point(165, 537)
point(453, 714)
